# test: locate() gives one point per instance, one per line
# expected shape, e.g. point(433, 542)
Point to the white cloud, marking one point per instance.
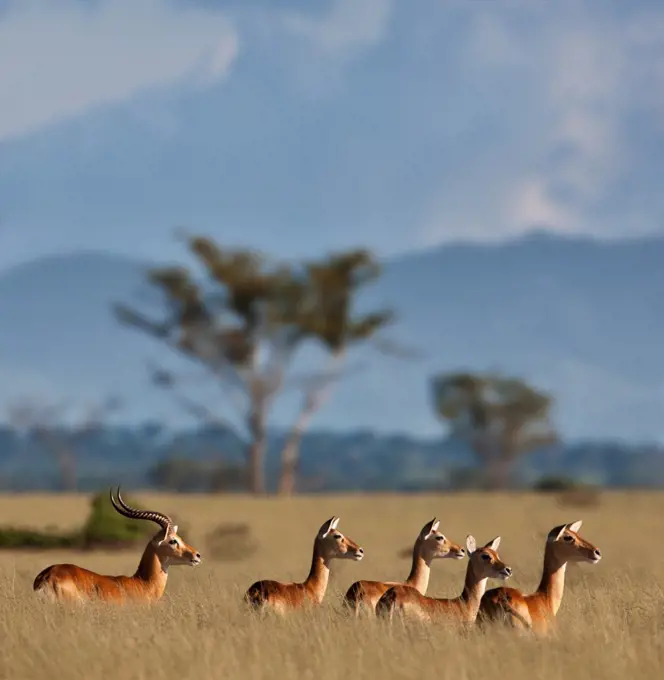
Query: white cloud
point(531, 205)
point(347, 28)
point(61, 59)
point(578, 72)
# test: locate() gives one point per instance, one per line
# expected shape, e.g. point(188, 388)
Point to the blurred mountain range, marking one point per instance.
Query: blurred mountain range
point(581, 318)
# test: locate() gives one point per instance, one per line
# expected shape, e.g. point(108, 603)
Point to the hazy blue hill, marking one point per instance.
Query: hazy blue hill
point(57, 333)
point(582, 318)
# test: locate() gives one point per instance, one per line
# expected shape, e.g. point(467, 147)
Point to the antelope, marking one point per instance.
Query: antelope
point(279, 597)
point(537, 611)
point(68, 582)
point(429, 545)
point(483, 563)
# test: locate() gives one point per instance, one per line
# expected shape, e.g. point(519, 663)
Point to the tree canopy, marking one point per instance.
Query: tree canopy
point(500, 417)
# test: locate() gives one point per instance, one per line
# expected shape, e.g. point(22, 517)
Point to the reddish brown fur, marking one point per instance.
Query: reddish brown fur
point(483, 563)
point(429, 545)
point(538, 610)
point(68, 582)
point(281, 597)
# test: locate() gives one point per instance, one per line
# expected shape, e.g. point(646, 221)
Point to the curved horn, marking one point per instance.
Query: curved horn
point(164, 521)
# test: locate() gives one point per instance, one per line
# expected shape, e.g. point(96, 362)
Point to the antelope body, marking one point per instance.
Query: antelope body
point(282, 597)
point(69, 582)
point(538, 610)
point(483, 563)
point(429, 545)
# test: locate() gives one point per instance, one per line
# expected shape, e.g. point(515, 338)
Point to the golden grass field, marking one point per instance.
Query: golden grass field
point(611, 624)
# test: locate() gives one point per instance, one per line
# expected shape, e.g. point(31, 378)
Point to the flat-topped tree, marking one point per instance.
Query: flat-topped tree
point(501, 418)
point(245, 323)
point(327, 315)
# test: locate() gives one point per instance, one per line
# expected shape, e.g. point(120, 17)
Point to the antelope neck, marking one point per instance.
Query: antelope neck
point(419, 572)
point(552, 584)
point(152, 570)
point(319, 575)
point(473, 590)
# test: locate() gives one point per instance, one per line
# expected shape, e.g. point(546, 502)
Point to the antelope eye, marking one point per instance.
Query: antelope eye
point(486, 557)
point(568, 538)
point(338, 536)
point(173, 541)
point(440, 538)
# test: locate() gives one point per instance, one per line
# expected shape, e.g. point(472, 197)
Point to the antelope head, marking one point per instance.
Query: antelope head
point(568, 546)
point(168, 546)
point(431, 544)
point(485, 561)
point(333, 544)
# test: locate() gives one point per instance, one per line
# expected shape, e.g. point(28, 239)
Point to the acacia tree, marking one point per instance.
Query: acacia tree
point(501, 418)
point(243, 324)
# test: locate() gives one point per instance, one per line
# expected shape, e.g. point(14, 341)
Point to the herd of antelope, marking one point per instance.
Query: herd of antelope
point(534, 612)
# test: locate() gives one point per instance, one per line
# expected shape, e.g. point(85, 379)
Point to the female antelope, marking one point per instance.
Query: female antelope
point(69, 582)
point(281, 597)
point(483, 563)
point(429, 545)
point(537, 611)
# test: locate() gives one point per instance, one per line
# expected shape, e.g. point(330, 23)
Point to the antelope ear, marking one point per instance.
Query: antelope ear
point(330, 525)
point(556, 533)
point(471, 545)
point(174, 529)
point(575, 526)
point(493, 544)
point(430, 528)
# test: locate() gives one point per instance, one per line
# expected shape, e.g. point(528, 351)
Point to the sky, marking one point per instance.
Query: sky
point(302, 126)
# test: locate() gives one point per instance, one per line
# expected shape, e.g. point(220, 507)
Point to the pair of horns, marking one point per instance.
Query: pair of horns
point(164, 521)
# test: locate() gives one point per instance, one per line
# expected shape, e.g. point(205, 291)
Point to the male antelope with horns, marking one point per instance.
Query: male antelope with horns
point(68, 582)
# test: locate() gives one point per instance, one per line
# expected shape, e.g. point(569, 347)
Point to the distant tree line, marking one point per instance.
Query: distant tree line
point(212, 459)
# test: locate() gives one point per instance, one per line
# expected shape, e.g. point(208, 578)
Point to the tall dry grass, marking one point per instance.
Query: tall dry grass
point(611, 623)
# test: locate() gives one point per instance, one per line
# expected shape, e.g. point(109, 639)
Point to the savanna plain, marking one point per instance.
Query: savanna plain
point(611, 623)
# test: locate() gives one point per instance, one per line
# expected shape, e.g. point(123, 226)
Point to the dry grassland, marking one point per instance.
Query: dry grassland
point(611, 624)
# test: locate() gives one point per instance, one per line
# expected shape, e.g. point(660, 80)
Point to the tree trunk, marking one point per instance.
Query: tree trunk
point(498, 470)
point(290, 454)
point(289, 461)
point(257, 451)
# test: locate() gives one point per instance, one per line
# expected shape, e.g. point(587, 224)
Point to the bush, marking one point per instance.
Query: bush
point(556, 483)
point(230, 542)
point(570, 492)
point(581, 497)
point(105, 527)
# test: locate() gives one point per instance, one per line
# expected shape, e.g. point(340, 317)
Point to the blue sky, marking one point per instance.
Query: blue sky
point(303, 125)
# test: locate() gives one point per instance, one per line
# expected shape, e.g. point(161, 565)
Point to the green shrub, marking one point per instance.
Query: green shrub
point(103, 528)
point(107, 527)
